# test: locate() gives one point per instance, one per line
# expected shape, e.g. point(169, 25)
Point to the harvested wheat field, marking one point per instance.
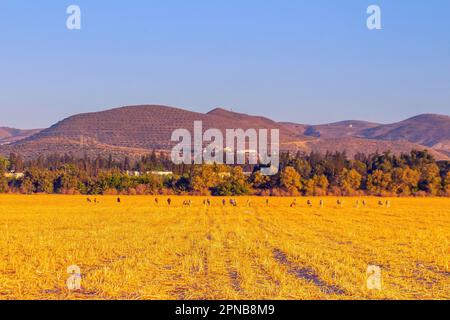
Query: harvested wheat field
point(137, 249)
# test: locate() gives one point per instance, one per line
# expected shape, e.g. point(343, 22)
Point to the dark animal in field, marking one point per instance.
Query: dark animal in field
point(224, 202)
point(294, 203)
point(321, 203)
point(309, 203)
point(88, 200)
point(267, 202)
point(233, 202)
point(187, 203)
point(169, 201)
point(118, 200)
point(340, 203)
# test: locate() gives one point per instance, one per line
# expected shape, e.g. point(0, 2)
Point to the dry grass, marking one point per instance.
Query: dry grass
point(137, 250)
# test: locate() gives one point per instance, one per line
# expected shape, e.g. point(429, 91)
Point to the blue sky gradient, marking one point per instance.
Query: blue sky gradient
point(291, 60)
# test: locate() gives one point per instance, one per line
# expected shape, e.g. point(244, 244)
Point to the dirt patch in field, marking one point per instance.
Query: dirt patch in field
point(233, 274)
point(205, 265)
point(180, 292)
point(235, 280)
point(306, 273)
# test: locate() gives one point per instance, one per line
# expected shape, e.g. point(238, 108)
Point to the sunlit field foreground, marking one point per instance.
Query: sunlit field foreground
point(137, 249)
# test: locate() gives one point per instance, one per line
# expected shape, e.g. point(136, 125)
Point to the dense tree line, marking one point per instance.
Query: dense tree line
point(414, 174)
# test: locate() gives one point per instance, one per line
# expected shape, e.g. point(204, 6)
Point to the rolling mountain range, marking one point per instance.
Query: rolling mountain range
point(136, 130)
point(10, 135)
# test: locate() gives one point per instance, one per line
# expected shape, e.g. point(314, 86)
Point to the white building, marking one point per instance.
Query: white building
point(14, 175)
point(161, 173)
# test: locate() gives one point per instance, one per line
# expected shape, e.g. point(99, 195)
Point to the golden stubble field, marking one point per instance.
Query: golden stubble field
point(139, 250)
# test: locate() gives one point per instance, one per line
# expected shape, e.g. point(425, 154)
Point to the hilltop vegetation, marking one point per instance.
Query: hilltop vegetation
point(414, 174)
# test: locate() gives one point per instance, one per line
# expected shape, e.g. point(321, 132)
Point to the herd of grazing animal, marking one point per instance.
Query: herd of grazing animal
point(233, 202)
point(187, 203)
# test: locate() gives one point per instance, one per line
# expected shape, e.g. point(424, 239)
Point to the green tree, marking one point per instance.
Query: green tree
point(430, 179)
point(378, 182)
point(260, 181)
point(26, 186)
point(206, 177)
point(3, 183)
point(447, 184)
point(67, 180)
point(405, 181)
point(290, 180)
point(4, 165)
point(16, 163)
point(235, 184)
point(316, 186)
point(349, 181)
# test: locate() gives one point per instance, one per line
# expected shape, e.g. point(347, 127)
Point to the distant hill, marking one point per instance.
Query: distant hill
point(148, 127)
point(10, 135)
point(343, 129)
point(136, 130)
point(430, 130)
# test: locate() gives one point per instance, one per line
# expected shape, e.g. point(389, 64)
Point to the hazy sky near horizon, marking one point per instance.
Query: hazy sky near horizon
point(290, 60)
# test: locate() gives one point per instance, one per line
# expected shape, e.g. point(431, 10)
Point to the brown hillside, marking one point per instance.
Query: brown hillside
point(136, 130)
point(339, 129)
point(142, 127)
point(352, 146)
point(428, 129)
point(10, 135)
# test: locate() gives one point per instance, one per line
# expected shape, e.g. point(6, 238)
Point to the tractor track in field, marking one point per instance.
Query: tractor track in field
point(306, 273)
point(233, 274)
point(234, 278)
point(300, 272)
point(201, 289)
point(264, 272)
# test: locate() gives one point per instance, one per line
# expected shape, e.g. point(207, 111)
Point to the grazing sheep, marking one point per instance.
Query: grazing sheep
point(208, 202)
point(388, 204)
point(294, 203)
point(357, 204)
point(156, 200)
point(364, 203)
point(309, 203)
point(321, 203)
point(88, 200)
point(187, 203)
point(340, 203)
point(380, 203)
point(233, 202)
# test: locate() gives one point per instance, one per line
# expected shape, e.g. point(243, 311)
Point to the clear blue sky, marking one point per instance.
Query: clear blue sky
point(292, 60)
